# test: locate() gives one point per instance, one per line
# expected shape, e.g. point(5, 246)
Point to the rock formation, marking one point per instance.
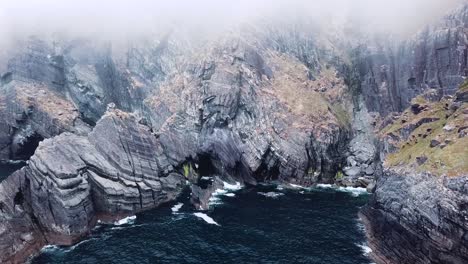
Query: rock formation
point(108, 134)
point(418, 212)
point(110, 146)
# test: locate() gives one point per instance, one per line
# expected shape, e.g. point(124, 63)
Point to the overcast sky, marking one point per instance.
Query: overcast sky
point(117, 16)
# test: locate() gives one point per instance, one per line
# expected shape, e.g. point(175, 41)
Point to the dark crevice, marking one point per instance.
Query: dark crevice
point(26, 149)
point(269, 168)
point(88, 120)
point(19, 198)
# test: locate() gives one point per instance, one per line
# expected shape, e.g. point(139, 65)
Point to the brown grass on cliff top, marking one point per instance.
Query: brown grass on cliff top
point(310, 100)
point(40, 97)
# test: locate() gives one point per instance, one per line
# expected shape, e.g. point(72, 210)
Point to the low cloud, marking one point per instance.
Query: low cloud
point(124, 19)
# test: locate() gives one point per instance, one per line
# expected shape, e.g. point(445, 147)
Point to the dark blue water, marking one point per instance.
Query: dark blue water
point(301, 226)
point(7, 169)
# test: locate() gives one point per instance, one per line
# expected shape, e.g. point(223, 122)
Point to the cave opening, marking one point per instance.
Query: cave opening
point(265, 173)
point(205, 165)
point(26, 149)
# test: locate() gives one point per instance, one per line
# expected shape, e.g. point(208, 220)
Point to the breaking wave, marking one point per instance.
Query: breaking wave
point(271, 194)
point(176, 207)
point(354, 191)
point(126, 221)
point(207, 219)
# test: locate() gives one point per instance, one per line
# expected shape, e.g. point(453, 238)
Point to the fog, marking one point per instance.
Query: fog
point(123, 19)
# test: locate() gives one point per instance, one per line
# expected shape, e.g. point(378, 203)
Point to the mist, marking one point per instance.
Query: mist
point(123, 19)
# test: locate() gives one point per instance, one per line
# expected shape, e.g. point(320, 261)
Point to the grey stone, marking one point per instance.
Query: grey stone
point(352, 171)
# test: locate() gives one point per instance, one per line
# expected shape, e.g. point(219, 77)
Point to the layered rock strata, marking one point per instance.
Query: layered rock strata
point(72, 181)
point(418, 218)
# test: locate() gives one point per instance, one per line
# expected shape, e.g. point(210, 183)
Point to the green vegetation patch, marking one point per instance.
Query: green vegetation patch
point(449, 151)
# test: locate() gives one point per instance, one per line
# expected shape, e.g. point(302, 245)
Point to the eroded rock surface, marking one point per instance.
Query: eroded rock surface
point(72, 181)
point(125, 132)
point(418, 218)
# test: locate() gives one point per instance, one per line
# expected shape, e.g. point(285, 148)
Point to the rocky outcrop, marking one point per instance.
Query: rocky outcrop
point(123, 132)
point(72, 181)
point(418, 218)
point(31, 112)
point(245, 112)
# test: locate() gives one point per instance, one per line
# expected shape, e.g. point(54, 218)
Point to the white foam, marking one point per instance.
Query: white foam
point(219, 192)
point(324, 186)
point(177, 207)
point(271, 194)
point(354, 191)
point(280, 187)
point(232, 187)
point(366, 250)
point(80, 243)
point(49, 248)
point(296, 186)
point(206, 178)
point(214, 200)
point(53, 248)
point(226, 191)
point(205, 217)
point(126, 221)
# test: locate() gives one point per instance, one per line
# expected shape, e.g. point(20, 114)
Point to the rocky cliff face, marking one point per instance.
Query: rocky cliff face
point(418, 211)
point(120, 136)
point(122, 132)
point(391, 74)
point(418, 218)
point(72, 181)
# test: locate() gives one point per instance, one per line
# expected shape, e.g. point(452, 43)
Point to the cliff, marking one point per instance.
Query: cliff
point(118, 137)
point(108, 133)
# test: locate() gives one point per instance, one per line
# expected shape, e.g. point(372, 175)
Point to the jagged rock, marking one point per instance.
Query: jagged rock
point(370, 170)
point(421, 160)
point(462, 96)
point(351, 161)
point(364, 182)
point(418, 218)
point(352, 171)
point(434, 143)
point(118, 169)
point(448, 128)
point(371, 187)
point(416, 108)
point(236, 117)
point(31, 112)
point(269, 105)
point(200, 197)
